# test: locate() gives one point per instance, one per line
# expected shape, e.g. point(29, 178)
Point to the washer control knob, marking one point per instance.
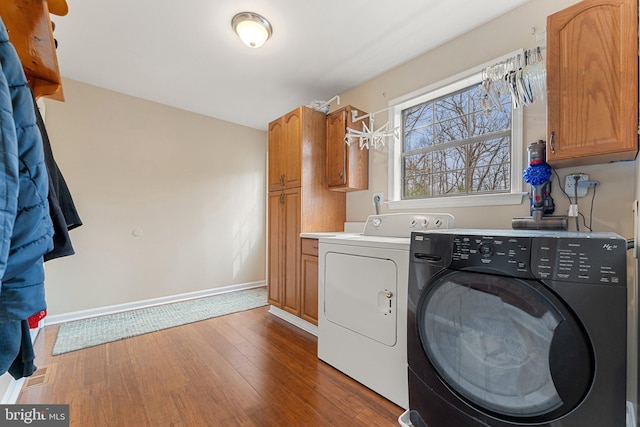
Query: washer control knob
point(413, 223)
point(485, 249)
point(376, 222)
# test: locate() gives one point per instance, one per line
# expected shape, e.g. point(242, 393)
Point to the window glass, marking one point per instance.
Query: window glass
point(452, 145)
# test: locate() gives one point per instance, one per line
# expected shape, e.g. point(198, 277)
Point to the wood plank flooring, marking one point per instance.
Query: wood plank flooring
point(243, 369)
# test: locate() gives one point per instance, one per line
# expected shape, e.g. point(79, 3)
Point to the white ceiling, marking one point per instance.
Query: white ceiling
point(185, 54)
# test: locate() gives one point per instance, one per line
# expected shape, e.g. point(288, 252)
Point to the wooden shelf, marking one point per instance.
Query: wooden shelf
point(58, 7)
point(29, 26)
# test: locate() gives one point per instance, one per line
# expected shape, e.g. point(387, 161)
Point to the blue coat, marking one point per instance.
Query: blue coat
point(25, 225)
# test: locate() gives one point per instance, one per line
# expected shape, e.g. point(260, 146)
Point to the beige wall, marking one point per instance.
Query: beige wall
point(193, 185)
point(613, 203)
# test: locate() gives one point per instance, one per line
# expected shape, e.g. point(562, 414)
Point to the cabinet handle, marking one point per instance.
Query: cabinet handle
point(282, 199)
point(340, 175)
point(552, 142)
point(282, 179)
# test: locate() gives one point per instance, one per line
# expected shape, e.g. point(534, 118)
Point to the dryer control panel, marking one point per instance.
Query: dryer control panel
point(402, 224)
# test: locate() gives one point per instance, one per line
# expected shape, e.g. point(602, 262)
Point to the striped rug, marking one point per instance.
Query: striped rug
point(94, 331)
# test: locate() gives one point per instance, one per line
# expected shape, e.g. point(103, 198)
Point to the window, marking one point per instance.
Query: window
point(454, 152)
point(451, 145)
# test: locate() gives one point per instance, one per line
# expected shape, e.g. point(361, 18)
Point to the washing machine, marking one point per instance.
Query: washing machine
point(362, 300)
point(517, 328)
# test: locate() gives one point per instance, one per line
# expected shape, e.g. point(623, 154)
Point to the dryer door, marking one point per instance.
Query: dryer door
point(360, 295)
point(506, 346)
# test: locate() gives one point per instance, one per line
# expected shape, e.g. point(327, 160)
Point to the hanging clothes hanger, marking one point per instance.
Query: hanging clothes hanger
point(522, 75)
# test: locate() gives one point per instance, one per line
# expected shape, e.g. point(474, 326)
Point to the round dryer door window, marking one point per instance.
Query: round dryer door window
point(508, 347)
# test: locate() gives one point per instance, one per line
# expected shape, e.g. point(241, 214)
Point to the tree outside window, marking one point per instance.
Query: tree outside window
point(453, 145)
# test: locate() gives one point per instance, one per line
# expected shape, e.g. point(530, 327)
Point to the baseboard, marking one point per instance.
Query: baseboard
point(294, 320)
point(12, 392)
point(119, 308)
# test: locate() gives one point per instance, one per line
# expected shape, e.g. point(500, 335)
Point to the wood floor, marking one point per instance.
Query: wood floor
point(244, 369)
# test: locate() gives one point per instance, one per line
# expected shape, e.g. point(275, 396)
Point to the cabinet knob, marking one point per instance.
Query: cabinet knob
point(552, 142)
point(340, 174)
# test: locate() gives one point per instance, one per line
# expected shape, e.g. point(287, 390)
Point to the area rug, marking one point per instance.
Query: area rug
point(101, 330)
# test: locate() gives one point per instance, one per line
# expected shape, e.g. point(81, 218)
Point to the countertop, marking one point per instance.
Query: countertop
point(349, 227)
point(320, 234)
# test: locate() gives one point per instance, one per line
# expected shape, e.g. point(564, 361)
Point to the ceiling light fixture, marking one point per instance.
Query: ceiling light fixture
point(253, 29)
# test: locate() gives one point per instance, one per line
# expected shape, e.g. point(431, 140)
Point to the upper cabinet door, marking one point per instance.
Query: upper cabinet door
point(336, 151)
point(276, 155)
point(592, 80)
point(293, 148)
point(285, 151)
point(347, 165)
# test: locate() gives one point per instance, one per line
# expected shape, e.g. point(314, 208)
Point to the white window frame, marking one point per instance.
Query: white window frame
point(436, 90)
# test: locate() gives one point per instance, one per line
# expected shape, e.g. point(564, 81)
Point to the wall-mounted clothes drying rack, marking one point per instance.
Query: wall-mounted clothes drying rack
point(324, 106)
point(370, 137)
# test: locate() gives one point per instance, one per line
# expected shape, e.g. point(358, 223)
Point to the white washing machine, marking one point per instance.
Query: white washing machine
point(362, 300)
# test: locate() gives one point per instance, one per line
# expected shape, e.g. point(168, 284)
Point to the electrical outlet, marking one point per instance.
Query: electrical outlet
point(570, 184)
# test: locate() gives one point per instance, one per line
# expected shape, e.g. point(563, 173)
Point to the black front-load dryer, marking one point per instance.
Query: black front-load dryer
point(517, 328)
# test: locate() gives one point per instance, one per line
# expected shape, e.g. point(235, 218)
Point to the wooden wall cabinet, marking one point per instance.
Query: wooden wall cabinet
point(347, 166)
point(592, 83)
point(300, 202)
point(309, 277)
point(30, 32)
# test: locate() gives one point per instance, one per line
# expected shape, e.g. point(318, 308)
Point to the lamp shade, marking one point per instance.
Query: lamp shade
point(253, 29)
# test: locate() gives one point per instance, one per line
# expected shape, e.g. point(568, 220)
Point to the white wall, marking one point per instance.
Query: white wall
point(193, 185)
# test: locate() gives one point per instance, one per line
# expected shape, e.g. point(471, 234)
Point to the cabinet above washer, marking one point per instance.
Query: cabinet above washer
point(592, 79)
